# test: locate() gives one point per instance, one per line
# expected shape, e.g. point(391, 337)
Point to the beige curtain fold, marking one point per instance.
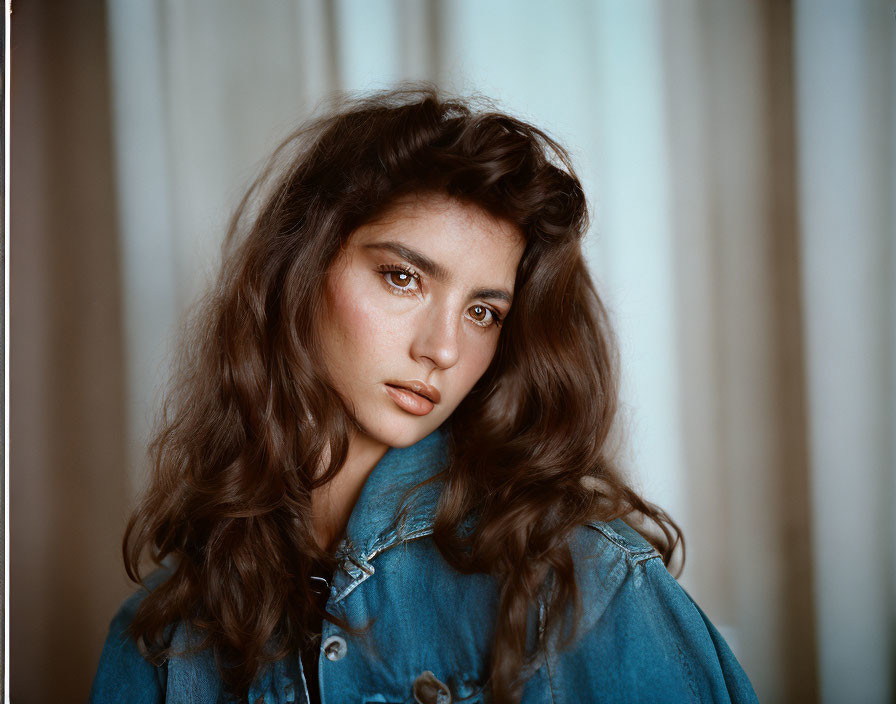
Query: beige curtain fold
point(730, 91)
point(68, 484)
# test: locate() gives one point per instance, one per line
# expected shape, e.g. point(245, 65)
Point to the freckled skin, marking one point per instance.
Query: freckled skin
point(372, 335)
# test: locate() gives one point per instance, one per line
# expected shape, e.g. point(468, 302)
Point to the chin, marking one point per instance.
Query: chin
point(402, 432)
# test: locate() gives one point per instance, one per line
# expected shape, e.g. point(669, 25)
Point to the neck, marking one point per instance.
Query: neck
point(332, 504)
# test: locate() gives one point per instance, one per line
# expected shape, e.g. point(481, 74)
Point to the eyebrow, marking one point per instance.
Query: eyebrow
point(434, 269)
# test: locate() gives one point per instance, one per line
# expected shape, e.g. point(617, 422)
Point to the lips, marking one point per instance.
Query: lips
point(410, 401)
point(430, 393)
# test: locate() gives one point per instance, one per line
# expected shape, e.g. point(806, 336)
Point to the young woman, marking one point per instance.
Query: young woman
point(384, 473)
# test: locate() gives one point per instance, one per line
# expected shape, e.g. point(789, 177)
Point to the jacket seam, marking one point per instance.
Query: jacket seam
point(637, 555)
point(396, 540)
point(367, 570)
point(641, 559)
point(547, 667)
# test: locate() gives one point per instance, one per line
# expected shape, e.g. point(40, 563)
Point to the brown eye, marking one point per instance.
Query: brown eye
point(484, 317)
point(400, 278)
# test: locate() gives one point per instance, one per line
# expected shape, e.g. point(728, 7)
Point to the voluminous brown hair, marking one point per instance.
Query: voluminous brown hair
point(251, 415)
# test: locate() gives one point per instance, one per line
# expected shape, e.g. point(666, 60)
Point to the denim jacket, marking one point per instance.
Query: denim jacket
point(641, 637)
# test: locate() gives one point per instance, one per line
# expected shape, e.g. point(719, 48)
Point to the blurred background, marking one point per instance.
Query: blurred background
point(740, 160)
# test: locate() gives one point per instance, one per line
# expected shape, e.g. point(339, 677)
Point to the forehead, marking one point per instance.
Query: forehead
point(447, 229)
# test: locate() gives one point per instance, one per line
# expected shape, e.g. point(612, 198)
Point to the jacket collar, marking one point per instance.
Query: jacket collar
point(375, 523)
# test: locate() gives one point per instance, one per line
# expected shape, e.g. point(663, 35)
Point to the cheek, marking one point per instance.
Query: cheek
point(359, 329)
point(475, 359)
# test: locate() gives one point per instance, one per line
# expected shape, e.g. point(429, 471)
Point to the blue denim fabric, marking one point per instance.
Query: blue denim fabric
point(641, 637)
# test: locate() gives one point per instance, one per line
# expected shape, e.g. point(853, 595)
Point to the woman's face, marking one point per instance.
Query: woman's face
point(414, 300)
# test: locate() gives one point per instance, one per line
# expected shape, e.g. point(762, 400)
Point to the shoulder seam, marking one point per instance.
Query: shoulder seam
point(636, 555)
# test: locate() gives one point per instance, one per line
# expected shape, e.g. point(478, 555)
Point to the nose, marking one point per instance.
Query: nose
point(436, 337)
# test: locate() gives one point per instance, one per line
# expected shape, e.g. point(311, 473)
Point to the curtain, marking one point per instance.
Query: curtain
point(845, 55)
point(68, 491)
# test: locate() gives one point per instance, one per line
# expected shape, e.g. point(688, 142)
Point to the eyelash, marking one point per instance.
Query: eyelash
point(387, 269)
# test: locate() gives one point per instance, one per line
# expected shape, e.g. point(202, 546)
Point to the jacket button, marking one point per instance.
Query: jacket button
point(429, 690)
point(335, 648)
